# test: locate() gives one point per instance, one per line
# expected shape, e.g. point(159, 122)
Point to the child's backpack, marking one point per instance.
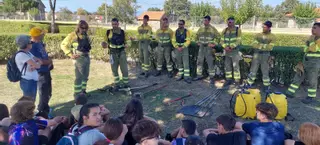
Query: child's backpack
point(72, 138)
point(13, 72)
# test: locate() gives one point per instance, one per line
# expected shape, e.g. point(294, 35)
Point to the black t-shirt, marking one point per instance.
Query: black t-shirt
point(233, 138)
point(298, 143)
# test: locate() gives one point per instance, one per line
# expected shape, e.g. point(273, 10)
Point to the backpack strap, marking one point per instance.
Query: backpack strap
point(108, 33)
point(24, 67)
point(123, 36)
point(78, 132)
point(237, 28)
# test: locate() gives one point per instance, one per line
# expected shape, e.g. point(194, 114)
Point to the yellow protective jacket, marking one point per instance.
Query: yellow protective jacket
point(231, 37)
point(144, 32)
point(208, 34)
point(181, 39)
point(70, 43)
point(264, 42)
point(164, 36)
point(312, 44)
point(110, 39)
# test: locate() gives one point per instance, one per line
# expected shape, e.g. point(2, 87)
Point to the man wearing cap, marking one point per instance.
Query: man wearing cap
point(310, 67)
point(164, 36)
point(263, 45)
point(44, 83)
point(208, 37)
point(144, 37)
point(117, 41)
point(77, 46)
point(230, 41)
point(28, 65)
point(181, 42)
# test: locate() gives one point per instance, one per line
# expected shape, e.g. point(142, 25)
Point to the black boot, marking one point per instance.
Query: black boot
point(158, 73)
point(289, 94)
point(170, 74)
point(142, 74)
point(212, 81)
point(188, 80)
point(179, 78)
point(228, 83)
point(307, 100)
point(198, 78)
point(146, 74)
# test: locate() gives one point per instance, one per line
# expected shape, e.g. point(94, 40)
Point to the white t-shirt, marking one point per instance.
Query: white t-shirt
point(21, 58)
point(90, 137)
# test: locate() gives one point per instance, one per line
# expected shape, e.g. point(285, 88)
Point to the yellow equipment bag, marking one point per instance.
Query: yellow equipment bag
point(280, 101)
point(243, 103)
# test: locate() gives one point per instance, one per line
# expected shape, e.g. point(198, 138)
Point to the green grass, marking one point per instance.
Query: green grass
point(100, 76)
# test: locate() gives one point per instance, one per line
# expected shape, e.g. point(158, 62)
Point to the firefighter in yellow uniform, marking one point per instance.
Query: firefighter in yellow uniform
point(144, 37)
point(310, 66)
point(263, 45)
point(117, 40)
point(181, 42)
point(164, 36)
point(77, 46)
point(230, 41)
point(208, 37)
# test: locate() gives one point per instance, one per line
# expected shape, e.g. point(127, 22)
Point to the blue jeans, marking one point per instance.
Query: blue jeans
point(29, 88)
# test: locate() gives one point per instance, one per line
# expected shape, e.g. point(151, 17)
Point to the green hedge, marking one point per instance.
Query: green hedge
point(286, 57)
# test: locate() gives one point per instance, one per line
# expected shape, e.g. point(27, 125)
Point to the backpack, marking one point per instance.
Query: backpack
point(243, 103)
point(13, 72)
point(72, 138)
point(280, 101)
point(225, 31)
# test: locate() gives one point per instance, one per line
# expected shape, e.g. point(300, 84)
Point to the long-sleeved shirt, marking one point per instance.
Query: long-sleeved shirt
point(127, 40)
point(312, 44)
point(208, 34)
point(187, 38)
point(264, 41)
point(144, 32)
point(164, 35)
point(231, 37)
point(70, 43)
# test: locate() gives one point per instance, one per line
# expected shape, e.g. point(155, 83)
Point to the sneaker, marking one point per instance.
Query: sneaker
point(142, 74)
point(188, 80)
point(179, 78)
point(170, 74)
point(307, 100)
point(158, 73)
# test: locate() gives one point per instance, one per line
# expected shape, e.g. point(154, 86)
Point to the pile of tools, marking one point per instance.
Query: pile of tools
point(203, 107)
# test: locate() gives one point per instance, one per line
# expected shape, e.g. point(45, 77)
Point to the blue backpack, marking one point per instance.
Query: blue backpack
point(72, 138)
point(13, 72)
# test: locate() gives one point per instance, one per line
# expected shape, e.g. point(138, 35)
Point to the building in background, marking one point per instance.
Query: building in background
point(154, 18)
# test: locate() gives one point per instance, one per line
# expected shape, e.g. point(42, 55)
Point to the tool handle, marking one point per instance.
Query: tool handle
point(180, 98)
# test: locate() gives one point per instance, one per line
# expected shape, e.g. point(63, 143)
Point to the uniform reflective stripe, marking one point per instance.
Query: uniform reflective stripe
point(187, 70)
point(313, 55)
point(305, 48)
point(256, 42)
point(312, 95)
point(224, 45)
point(250, 81)
point(312, 90)
point(233, 45)
point(228, 76)
point(180, 69)
point(266, 84)
point(291, 90)
point(84, 85)
point(159, 67)
point(294, 86)
point(116, 46)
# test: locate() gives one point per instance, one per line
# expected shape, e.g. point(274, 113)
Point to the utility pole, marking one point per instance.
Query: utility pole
point(106, 13)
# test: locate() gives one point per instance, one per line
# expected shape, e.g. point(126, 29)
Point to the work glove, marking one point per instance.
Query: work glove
point(299, 68)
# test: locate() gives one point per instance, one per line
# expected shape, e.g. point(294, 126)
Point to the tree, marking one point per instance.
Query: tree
point(52, 4)
point(65, 14)
point(305, 13)
point(177, 8)
point(81, 11)
point(154, 9)
point(124, 10)
point(201, 9)
point(242, 10)
point(285, 7)
point(33, 12)
point(22, 6)
point(267, 12)
point(101, 11)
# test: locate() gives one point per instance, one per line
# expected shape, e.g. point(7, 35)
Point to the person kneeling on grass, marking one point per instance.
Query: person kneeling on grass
point(187, 128)
point(26, 130)
point(225, 134)
point(266, 131)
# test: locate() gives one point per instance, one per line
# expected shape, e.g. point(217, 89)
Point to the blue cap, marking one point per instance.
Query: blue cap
point(22, 41)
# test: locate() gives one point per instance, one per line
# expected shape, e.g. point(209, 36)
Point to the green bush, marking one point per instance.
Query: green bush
point(286, 52)
point(19, 27)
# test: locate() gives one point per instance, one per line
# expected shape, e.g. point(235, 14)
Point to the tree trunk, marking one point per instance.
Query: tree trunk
point(53, 21)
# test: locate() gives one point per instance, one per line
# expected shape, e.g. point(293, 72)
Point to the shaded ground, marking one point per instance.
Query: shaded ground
point(100, 75)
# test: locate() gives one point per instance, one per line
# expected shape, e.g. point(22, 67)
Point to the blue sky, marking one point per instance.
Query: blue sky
point(92, 5)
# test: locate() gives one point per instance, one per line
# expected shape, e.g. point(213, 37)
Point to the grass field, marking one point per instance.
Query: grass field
point(100, 76)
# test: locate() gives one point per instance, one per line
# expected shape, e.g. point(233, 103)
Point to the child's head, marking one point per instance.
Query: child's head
point(146, 132)
point(309, 133)
point(22, 111)
point(188, 128)
point(115, 130)
point(4, 112)
point(193, 140)
point(266, 111)
point(81, 99)
point(26, 98)
point(225, 123)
